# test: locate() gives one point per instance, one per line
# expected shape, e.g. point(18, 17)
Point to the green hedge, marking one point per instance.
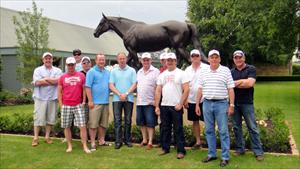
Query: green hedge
point(273, 131)
point(278, 78)
point(296, 69)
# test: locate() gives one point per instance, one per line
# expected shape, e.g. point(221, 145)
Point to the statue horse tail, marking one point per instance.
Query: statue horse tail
point(194, 39)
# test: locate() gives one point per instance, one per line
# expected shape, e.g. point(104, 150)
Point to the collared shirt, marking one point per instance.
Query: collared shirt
point(98, 80)
point(171, 82)
point(48, 92)
point(146, 84)
point(194, 76)
point(244, 95)
point(215, 83)
point(123, 79)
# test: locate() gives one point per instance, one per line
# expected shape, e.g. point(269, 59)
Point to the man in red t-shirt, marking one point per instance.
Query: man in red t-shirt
point(70, 97)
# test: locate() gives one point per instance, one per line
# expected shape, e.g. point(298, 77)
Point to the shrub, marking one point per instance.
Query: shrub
point(296, 69)
point(273, 130)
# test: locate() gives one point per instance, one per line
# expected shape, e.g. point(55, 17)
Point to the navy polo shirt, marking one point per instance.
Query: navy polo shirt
point(244, 96)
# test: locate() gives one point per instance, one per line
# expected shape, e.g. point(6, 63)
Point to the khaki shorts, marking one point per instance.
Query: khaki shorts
point(98, 116)
point(44, 112)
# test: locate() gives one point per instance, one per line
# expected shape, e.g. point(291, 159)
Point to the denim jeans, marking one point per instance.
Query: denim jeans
point(216, 111)
point(169, 116)
point(117, 109)
point(246, 111)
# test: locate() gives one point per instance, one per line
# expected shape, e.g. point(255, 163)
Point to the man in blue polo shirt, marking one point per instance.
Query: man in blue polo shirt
point(122, 83)
point(97, 90)
point(244, 77)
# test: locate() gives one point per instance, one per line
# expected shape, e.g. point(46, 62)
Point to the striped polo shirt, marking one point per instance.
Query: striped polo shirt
point(215, 83)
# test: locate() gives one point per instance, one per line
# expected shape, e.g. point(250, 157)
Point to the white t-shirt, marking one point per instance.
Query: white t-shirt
point(194, 76)
point(171, 82)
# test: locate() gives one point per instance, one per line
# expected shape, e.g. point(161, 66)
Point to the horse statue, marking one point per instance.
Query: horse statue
point(141, 37)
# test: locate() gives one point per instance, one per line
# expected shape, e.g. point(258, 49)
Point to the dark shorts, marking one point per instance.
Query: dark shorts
point(145, 116)
point(192, 116)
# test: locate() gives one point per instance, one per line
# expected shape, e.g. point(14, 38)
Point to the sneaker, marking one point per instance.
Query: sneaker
point(93, 147)
point(35, 142)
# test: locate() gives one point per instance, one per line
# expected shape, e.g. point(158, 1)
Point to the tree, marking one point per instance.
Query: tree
point(265, 29)
point(32, 38)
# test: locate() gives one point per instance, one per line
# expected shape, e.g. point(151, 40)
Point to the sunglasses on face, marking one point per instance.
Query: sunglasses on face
point(85, 63)
point(70, 64)
point(77, 54)
point(195, 55)
point(237, 57)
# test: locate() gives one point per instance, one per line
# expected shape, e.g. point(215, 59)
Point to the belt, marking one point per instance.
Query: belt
point(215, 100)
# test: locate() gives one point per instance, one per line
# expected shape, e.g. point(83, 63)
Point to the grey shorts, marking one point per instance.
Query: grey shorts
point(44, 112)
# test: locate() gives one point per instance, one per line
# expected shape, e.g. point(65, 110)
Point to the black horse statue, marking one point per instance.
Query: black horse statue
point(141, 37)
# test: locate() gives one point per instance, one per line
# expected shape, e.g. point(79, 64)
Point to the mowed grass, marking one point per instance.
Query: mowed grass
point(284, 95)
point(16, 152)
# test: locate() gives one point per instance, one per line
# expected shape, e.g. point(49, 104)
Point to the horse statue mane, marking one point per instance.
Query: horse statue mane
point(141, 37)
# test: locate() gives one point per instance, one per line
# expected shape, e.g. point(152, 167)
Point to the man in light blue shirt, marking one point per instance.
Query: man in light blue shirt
point(97, 90)
point(45, 80)
point(122, 83)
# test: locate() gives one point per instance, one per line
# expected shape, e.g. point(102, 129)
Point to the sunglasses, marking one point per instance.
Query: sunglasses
point(195, 55)
point(77, 54)
point(85, 63)
point(70, 64)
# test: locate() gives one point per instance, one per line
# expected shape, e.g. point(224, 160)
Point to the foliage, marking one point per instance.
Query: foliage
point(0, 72)
point(296, 69)
point(274, 132)
point(265, 30)
point(11, 98)
point(32, 38)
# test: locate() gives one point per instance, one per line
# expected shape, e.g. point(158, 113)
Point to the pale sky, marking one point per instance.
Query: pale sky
point(88, 13)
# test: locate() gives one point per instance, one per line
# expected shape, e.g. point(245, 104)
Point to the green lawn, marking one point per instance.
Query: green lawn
point(284, 95)
point(16, 152)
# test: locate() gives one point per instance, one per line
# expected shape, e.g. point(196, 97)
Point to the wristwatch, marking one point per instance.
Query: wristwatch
point(231, 105)
point(127, 93)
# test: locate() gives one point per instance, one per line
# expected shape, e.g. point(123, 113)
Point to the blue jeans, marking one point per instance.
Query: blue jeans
point(117, 109)
point(246, 111)
point(216, 111)
point(169, 116)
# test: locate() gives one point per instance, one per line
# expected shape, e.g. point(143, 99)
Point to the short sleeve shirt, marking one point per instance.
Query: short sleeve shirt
point(171, 82)
point(244, 96)
point(48, 92)
point(72, 86)
point(98, 80)
point(123, 79)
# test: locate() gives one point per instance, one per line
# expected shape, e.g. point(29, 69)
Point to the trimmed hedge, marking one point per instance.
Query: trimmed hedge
point(296, 69)
point(273, 130)
point(278, 78)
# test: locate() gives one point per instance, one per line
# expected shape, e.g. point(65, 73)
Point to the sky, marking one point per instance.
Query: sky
point(88, 13)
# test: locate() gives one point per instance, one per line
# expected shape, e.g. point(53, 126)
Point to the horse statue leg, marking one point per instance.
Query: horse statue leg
point(132, 59)
point(182, 55)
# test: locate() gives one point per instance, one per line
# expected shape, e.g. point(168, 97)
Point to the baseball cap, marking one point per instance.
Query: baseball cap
point(170, 55)
point(85, 58)
point(195, 52)
point(213, 52)
point(47, 54)
point(162, 56)
point(238, 53)
point(76, 51)
point(146, 55)
point(70, 60)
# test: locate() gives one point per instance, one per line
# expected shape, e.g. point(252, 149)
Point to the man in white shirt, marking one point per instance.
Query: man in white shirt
point(194, 71)
point(173, 84)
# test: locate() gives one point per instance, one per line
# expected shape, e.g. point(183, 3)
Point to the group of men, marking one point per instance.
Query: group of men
point(210, 93)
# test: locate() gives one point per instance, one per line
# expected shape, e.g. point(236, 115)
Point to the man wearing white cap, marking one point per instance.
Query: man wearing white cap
point(163, 62)
point(194, 71)
point(71, 96)
point(216, 87)
point(45, 80)
point(145, 111)
point(244, 77)
point(173, 86)
point(86, 65)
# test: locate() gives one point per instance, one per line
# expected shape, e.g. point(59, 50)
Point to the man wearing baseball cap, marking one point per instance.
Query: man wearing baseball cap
point(173, 86)
point(71, 96)
point(77, 56)
point(45, 79)
point(216, 88)
point(244, 77)
point(145, 111)
point(194, 71)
